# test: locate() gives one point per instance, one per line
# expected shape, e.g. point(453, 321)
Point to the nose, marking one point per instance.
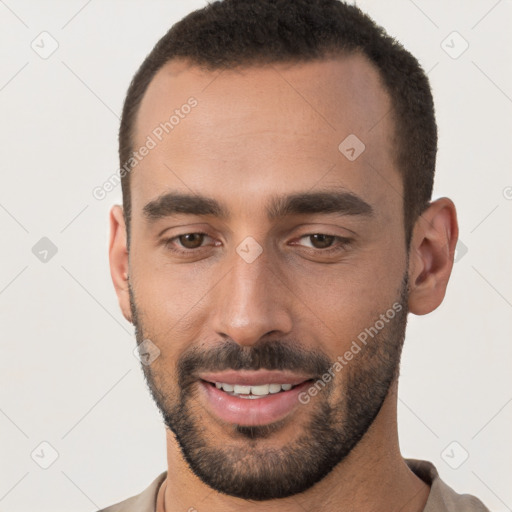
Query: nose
point(251, 302)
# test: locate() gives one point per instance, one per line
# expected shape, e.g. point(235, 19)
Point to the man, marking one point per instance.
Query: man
point(277, 161)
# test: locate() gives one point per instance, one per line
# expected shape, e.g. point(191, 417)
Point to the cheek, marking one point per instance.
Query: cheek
point(168, 291)
point(351, 288)
point(336, 304)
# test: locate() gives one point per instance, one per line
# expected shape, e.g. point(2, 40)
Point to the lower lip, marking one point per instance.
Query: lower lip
point(247, 411)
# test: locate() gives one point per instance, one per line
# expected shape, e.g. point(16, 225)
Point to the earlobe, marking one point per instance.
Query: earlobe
point(431, 256)
point(118, 257)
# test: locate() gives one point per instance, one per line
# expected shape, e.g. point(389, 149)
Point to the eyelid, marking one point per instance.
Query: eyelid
point(339, 245)
point(206, 235)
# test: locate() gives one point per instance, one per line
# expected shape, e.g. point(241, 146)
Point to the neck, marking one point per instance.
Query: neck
point(373, 477)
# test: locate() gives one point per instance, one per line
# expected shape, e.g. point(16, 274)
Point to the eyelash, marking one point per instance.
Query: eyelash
point(340, 246)
point(169, 241)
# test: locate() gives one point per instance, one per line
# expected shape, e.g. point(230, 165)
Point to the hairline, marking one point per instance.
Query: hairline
point(327, 54)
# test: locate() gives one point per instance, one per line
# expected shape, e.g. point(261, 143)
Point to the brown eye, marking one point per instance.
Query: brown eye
point(320, 241)
point(191, 240)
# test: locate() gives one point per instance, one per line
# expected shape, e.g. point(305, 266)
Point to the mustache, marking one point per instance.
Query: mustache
point(267, 355)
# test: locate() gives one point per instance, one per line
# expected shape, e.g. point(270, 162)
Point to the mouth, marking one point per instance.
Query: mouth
point(252, 398)
point(252, 392)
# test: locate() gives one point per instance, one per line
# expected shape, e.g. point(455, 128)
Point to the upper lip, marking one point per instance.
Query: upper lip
point(255, 377)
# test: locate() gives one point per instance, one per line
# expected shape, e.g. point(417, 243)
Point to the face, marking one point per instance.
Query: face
point(267, 262)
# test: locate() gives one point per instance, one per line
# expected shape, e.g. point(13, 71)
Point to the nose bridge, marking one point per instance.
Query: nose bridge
point(249, 304)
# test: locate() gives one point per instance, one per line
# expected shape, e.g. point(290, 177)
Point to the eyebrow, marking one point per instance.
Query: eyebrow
point(328, 202)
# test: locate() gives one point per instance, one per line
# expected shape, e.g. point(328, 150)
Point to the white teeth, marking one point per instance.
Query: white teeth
point(252, 391)
point(275, 388)
point(241, 390)
point(260, 390)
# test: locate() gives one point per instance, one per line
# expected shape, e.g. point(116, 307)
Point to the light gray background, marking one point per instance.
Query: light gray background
point(68, 375)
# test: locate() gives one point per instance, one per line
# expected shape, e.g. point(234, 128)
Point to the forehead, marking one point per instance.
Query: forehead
point(266, 129)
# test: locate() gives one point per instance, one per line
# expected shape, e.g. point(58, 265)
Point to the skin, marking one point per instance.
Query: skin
point(256, 133)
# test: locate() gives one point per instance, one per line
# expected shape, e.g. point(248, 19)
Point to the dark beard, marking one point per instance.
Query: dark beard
point(246, 470)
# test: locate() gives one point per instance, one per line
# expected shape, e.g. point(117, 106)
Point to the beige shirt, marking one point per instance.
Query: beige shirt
point(441, 498)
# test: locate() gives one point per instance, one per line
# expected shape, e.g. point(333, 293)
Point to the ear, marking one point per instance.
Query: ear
point(431, 255)
point(118, 256)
